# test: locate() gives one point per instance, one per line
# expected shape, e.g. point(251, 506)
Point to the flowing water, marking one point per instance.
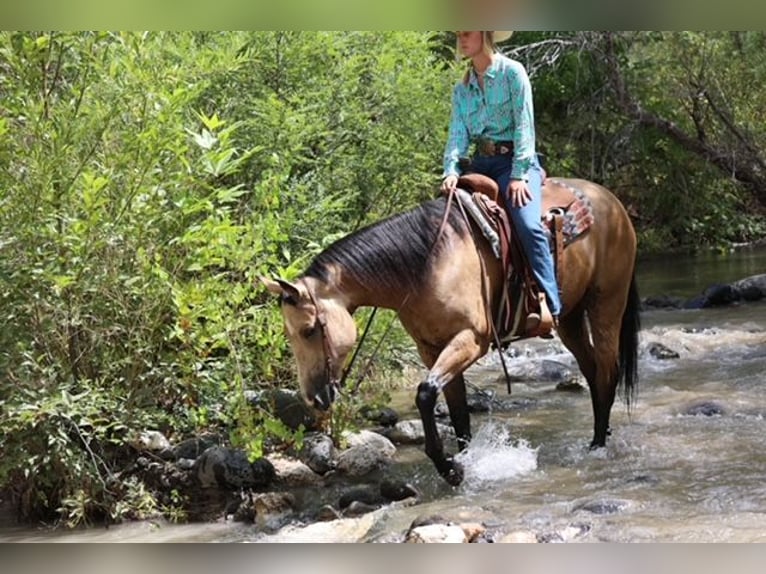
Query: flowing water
point(688, 463)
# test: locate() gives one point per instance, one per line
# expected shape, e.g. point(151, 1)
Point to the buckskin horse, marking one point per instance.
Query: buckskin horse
point(439, 274)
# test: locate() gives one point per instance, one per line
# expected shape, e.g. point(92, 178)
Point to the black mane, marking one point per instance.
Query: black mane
point(394, 253)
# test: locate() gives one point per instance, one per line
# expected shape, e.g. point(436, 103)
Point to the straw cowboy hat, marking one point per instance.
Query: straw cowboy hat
point(498, 37)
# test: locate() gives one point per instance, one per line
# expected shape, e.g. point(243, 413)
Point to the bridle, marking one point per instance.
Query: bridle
point(321, 324)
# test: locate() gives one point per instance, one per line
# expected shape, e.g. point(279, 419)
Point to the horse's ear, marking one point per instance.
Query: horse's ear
point(286, 290)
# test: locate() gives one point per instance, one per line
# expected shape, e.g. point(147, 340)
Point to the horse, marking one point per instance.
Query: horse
point(444, 282)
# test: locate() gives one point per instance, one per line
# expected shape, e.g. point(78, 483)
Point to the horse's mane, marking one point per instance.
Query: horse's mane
point(394, 253)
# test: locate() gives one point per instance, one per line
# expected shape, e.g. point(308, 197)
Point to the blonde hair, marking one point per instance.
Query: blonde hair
point(489, 47)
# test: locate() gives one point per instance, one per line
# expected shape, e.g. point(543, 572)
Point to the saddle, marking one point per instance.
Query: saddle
point(566, 214)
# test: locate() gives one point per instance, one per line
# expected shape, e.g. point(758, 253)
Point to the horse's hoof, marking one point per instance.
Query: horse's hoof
point(454, 474)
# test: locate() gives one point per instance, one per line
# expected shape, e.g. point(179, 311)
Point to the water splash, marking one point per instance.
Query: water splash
point(492, 456)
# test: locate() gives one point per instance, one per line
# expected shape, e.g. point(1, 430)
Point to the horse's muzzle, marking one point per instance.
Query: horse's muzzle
point(323, 399)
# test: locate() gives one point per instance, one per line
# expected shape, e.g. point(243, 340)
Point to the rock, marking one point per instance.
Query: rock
point(318, 452)
point(663, 302)
point(384, 416)
point(287, 405)
point(411, 432)
point(602, 507)
point(365, 494)
point(473, 530)
point(192, 448)
point(436, 534)
point(230, 469)
point(291, 472)
point(273, 509)
point(367, 452)
point(396, 490)
point(705, 409)
point(661, 352)
point(357, 508)
point(326, 513)
point(519, 537)
point(342, 530)
point(151, 440)
point(751, 288)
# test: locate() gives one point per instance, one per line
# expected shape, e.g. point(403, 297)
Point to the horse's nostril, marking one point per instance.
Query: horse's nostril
point(323, 399)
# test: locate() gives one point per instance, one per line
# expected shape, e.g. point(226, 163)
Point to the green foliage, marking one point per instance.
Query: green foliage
point(148, 180)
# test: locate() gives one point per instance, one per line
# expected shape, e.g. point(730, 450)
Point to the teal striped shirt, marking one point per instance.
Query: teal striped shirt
point(502, 112)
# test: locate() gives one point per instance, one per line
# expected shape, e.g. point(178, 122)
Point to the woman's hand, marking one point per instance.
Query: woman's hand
point(449, 184)
point(519, 193)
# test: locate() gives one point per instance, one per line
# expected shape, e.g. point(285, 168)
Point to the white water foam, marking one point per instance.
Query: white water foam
point(492, 456)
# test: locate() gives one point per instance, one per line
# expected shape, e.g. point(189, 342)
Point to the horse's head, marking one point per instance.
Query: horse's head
point(321, 331)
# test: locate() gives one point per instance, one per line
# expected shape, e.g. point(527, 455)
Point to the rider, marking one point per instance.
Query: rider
point(492, 108)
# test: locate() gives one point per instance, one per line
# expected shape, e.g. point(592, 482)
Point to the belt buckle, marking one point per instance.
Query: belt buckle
point(487, 147)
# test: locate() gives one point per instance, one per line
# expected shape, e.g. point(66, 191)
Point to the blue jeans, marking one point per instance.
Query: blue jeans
point(526, 221)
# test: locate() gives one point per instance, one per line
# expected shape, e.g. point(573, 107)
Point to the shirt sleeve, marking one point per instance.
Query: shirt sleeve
point(458, 140)
point(523, 122)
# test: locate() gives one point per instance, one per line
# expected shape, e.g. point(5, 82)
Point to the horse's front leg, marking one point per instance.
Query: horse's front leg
point(457, 356)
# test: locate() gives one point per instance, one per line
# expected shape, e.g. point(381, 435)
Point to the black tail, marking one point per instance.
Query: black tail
point(631, 325)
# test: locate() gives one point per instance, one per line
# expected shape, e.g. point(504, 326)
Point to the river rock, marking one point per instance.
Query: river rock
point(292, 473)
point(411, 432)
point(395, 490)
point(519, 537)
point(661, 352)
point(384, 416)
point(228, 468)
point(367, 452)
point(436, 534)
point(287, 405)
point(366, 494)
point(192, 448)
point(318, 452)
point(602, 506)
point(705, 409)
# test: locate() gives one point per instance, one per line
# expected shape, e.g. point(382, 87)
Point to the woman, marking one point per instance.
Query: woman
point(492, 109)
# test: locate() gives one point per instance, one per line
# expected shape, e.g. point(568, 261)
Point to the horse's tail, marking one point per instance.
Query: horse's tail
point(631, 325)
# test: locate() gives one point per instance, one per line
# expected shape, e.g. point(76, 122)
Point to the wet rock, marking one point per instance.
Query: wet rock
point(602, 507)
point(480, 402)
point(661, 352)
point(571, 387)
point(227, 468)
point(273, 509)
point(751, 288)
point(436, 534)
point(411, 432)
point(567, 534)
point(663, 302)
point(426, 519)
point(396, 490)
point(287, 405)
point(342, 530)
point(192, 448)
point(357, 508)
point(368, 451)
point(318, 452)
point(519, 537)
point(326, 513)
point(473, 530)
point(366, 494)
point(704, 409)
point(385, 416)
point(292, 473)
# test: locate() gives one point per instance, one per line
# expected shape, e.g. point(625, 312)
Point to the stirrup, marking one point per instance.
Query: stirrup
point(540, 324)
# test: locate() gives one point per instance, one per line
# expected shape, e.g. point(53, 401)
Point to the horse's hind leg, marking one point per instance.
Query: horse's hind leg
point(593, 363)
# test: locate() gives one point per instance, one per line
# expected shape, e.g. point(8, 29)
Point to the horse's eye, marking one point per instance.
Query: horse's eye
point(308, 332)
